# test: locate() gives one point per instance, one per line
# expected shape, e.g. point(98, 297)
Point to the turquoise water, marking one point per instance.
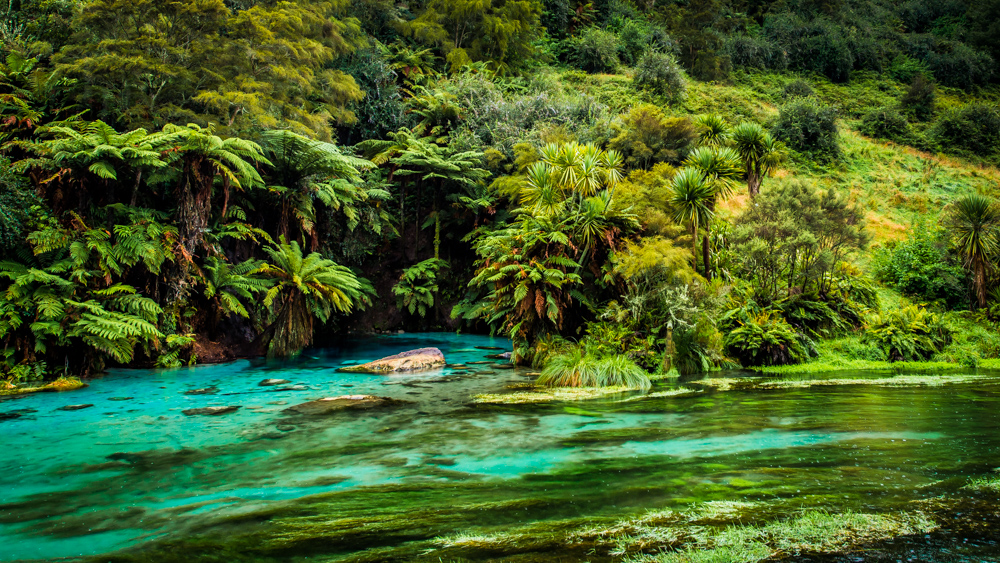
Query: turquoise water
point(136, 476)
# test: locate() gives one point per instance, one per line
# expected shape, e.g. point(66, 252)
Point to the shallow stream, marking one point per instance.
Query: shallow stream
point(134, 479)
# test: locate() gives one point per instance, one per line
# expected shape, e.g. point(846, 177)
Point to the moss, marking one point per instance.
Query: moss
point(61, 384)
point(984, 484)
point(721, 384)
point(549, 394)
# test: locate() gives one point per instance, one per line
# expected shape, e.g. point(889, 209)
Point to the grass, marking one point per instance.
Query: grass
point(985, 484)
point(576, 368)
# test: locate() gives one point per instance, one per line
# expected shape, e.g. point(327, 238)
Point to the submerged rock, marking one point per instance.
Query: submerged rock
point(502, 356)
point(206, 391)
point(75, 407)
point(333, 404)
point(211, 411)
point(488, 348)
point(9, 415)
point(412, 360)
point(293, 388)
point(270, 382)
point(119, 398)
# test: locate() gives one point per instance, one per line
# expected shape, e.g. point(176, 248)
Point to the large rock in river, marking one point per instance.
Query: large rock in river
point(333, 404)
point(413, 360)
point(211, 411)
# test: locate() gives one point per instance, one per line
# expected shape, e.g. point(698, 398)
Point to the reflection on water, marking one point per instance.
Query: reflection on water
point(125, 472)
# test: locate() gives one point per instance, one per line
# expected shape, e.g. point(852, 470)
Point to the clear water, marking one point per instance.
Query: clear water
point(139, 478)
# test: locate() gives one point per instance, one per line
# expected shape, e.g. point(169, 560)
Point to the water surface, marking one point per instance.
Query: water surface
point(137, 477)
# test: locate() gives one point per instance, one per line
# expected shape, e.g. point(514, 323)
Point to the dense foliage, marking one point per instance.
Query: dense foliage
point(199, 181)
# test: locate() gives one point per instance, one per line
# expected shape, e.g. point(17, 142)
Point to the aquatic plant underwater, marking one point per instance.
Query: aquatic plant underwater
point(710, 473)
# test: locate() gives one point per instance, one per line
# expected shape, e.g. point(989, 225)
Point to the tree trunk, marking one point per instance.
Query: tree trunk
point(980, 283)
point(694, 244)
point(705, 259)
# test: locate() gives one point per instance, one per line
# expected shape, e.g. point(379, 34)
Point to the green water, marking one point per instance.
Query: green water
point(136, 480)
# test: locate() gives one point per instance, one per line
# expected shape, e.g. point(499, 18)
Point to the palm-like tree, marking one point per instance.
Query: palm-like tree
point(94, 154)
point(721, 167)
point(304, 171)
point(690, 196)
point(974, 224)
point(760, 152)
point(305, 288)
point(205, 158)
point(714, 130)
point(582, 170)
point(227, 286)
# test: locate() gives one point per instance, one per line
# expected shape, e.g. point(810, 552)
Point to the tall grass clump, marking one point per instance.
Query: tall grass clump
point(579, 367)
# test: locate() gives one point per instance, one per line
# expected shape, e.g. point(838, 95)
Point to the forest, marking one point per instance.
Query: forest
point(626, 190)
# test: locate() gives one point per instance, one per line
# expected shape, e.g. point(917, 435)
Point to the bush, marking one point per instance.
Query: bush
point(886, 123)
point(17, 200)
point(920, 99)
point(807, 128)
point(636, 37)
point(865, 351)
point(645, 137)
point(579, 367)
point(974, 128)
point(660, 73)
point(958, 65)
point(923, 267)
point(747, 51)
point(797, 89)
point(905, 69)
point(381, 110)
point(594, 50)
point(765, 339)
point(908, 334)
point(818, 45)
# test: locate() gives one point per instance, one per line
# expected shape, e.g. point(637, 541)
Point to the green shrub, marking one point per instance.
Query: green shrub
point(765, 339)
point(923, 267)
point(748, 51)
point(636, 37)
point(797, 89)
point(644, 136)
point(886, 123)
point(417, 286)
point(866, 351)
point(905, 69)
point(974, 128)
point(594, 50)
point(660, 73)
point(698, 347)
point(578, 367)
point(17, 200)
point(807, 128)
point(908, 334)
point(958, 65)
point(920, 99)
point(818, 45)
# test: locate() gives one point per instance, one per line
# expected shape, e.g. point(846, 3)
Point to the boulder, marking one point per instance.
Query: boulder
point(205, 391)
point(270, 382)
point(333, 404)
point(413, 360)
point(75, 407)
point(210, 411)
